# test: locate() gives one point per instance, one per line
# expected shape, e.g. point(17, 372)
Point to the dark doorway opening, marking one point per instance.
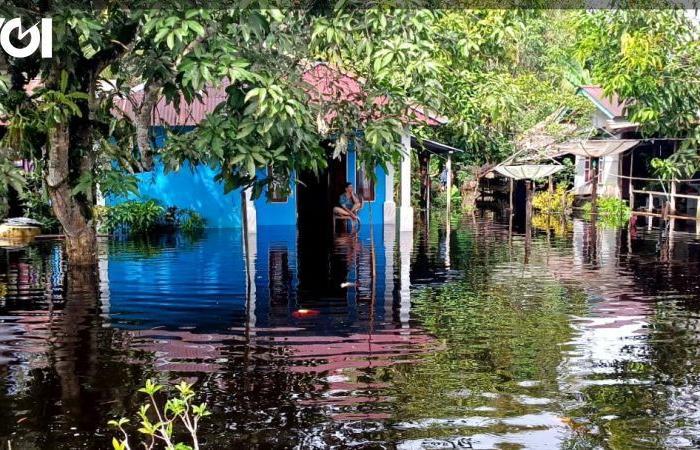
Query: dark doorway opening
point(319, 278)
point(317, 195)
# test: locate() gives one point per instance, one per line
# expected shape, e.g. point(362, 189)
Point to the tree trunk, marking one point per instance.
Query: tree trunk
point(79, 230)
point(142, 123)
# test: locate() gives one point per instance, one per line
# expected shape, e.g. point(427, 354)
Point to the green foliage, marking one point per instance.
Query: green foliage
point(612, 212)
point(112, 183)
point(440, 200)
point(134, 217)
point(191, 222)
point(157, 424)
point(650, 59)
point(681, 164)
point(10, 177)
point(558, 202)
point(35, 202)
point(566, 175)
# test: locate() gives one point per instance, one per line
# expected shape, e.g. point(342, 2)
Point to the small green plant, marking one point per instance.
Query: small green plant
point(558, 202)
point(612, 212)
point(157, 423)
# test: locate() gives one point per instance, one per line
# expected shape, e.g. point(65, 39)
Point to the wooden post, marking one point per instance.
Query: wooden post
point(423, 169)
point(631, 181)
point(672, 199)
point(594, 187)
point(551, 184)
point(448, 188)
point(512, 188)
point(529, 186)
point(650, 203)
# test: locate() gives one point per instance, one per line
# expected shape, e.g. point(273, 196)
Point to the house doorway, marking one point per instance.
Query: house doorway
point(319, 275)
point(317, 195)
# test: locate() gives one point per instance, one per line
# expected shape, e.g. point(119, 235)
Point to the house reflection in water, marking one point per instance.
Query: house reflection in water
point(207, 307)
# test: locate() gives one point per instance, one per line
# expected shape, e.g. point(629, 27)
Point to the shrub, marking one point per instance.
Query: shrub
point(36, 204)
point(143, 217)
point(558, 202)
point(133, 217)
point(157, 425)
point(612, 212)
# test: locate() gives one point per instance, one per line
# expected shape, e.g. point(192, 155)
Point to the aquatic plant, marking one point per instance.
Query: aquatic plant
point(612, 212)
point(558, 202)
point(157, 425)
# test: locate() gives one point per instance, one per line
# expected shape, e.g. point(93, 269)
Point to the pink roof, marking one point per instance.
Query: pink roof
point(611, 103)
point(324, 85)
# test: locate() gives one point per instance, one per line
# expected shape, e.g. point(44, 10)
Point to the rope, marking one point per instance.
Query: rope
point(653, 179)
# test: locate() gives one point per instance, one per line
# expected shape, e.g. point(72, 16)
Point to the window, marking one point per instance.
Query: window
point(587, 169)
point(275, 191)
point(365, 185)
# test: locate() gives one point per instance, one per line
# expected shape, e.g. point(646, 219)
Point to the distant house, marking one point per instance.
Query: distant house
point(611, 120)
point(624, 159)
point(311, 200)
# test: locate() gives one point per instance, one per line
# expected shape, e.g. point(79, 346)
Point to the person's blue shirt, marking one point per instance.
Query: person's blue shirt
point(346, 202)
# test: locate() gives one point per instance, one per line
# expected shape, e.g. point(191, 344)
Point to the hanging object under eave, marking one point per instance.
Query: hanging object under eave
point(596, 148)
point(528, 171)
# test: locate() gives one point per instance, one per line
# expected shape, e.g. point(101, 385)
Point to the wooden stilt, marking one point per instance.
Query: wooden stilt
point(448, 188)
point(594, 187)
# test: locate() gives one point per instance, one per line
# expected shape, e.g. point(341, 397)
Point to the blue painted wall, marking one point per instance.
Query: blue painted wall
point(276, 213)
point(372, 211)
point(192, 188)
point(195, 188)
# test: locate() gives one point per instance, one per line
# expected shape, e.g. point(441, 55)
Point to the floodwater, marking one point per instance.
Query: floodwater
point(476, 337)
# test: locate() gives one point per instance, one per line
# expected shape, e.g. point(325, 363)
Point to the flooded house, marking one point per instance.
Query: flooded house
point(621, 156)
point(311, 199)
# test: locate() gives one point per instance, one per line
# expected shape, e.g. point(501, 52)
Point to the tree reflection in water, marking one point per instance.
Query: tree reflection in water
point(591, 343)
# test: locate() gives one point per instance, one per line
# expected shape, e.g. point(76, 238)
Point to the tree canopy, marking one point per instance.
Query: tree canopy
point(493, 73)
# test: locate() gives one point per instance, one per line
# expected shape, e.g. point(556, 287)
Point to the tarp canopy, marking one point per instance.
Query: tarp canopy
point(596, 148)
point(528, 171)
point(433, 146)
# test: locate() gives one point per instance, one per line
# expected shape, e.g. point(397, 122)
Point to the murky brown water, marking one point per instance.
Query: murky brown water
point(475, 338)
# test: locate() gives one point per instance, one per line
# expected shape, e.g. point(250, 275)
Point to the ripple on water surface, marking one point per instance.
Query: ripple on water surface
point(474, 338)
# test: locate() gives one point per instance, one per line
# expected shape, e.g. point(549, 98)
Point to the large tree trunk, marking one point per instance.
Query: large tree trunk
point(79, 229)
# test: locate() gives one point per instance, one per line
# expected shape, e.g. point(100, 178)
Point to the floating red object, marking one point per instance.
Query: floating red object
point(304, 313)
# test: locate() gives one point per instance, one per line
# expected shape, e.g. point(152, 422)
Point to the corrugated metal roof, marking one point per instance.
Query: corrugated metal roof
point(325, 84)
point(167, 114)
point(611, 104)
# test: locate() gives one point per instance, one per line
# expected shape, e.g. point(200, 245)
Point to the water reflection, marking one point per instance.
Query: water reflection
point(464, 335)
